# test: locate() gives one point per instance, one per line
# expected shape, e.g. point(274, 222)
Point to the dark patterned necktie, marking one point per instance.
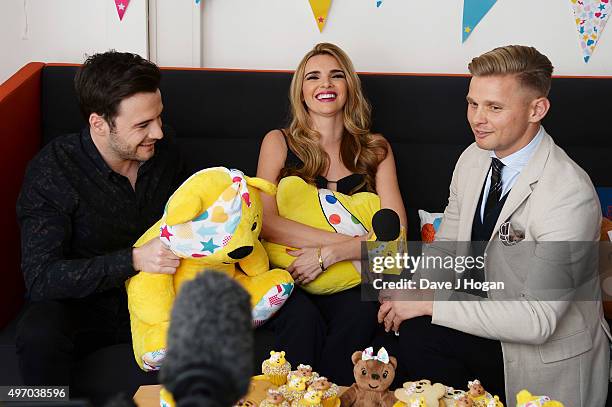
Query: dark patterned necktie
point(496, 185)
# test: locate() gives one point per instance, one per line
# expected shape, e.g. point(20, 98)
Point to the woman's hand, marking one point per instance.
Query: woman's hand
point(305, 268)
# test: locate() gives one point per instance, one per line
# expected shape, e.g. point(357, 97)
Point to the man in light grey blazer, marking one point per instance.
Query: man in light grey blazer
point(514, 178)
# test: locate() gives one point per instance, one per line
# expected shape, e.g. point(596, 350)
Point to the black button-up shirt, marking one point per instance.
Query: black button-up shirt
point(79, 219)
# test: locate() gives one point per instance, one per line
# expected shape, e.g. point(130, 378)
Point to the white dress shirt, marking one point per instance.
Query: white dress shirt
point(513, 165)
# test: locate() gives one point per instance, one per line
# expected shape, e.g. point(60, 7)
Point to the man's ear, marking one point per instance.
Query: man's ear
point(356, 357)
point(98, 124)
point(539, 108)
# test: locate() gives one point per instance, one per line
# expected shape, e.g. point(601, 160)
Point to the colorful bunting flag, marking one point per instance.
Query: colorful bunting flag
point(320, 8)
point(122, 6)
point(591, 17)
point(473, 12)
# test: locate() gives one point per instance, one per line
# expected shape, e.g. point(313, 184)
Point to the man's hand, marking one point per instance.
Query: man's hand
point(386, 294)
point(305, 268)
point(393, 313)
point(154, 257)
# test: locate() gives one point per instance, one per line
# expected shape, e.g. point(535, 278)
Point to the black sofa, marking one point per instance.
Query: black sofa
point(220, 117)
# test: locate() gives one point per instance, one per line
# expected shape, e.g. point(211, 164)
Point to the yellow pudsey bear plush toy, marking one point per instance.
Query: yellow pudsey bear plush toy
point(525, 399)
point(212, 221)
point(327, 210)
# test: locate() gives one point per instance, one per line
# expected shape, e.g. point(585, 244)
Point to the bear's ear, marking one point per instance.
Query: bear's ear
point(393, 361)
point(356, 357)
point(261, 184)
point(439, 389)
point(402, 395)
point(523, 397)
point(183, 208)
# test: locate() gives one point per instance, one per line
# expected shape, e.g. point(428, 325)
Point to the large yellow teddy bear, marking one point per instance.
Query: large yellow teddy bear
point(212, 221)
point(327, 210)
point(525, 399)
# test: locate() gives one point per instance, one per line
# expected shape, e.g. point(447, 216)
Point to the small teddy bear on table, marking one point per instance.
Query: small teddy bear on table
point(373, 376)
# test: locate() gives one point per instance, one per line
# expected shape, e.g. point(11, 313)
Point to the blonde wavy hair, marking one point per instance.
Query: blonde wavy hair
point(360, 151)
point(533, 69)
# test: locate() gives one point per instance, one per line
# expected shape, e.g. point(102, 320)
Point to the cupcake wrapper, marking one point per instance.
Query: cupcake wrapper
point(277, 379)
point(329, 402)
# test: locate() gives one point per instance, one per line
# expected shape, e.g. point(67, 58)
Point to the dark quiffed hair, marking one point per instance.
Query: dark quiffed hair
point(106, 79)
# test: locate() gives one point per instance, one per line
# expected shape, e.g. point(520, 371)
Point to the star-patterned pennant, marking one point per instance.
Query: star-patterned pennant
point(591, 17)
point(122, 6)
point(473, 12)
point(320, 9)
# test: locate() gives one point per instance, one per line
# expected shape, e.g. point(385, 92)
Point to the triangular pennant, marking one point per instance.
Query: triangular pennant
point(473, 12)
point(320, 8)
point(378, 3)
point(591, 17)
point(122, 6)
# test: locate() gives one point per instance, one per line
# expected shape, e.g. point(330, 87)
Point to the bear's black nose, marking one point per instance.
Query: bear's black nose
point(375, 376)
point(241, 252)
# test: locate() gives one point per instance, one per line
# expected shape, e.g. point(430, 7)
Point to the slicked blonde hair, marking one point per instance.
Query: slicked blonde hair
point(532, 69)
point(360, 151)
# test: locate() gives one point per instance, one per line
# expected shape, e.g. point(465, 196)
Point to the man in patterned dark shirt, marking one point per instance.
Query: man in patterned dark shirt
point(85, 200)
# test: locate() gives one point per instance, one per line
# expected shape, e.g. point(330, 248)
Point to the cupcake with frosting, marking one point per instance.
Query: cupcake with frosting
point(329, 391)
point(303, 371)
point(274, 399)
point(452, 396)
point(276, 368)
point(312, 398)
point(245, 403)
point(480, 397)
point(295, 388)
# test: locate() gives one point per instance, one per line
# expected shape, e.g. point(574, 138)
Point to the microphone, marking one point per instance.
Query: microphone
point(386, 225)
point(209, 357)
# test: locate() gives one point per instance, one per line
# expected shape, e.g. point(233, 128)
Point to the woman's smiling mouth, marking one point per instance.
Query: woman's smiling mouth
point(326, 96)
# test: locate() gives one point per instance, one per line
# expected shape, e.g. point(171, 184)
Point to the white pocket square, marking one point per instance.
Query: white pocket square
point(509, 235)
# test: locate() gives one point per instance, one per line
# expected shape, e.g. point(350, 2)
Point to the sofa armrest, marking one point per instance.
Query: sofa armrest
point(20, 139)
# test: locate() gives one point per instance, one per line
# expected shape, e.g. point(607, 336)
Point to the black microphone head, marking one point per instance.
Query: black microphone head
point(386, 225)
point(210, 341)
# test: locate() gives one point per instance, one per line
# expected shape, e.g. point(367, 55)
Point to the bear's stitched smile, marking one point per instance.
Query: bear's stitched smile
point(372, 387)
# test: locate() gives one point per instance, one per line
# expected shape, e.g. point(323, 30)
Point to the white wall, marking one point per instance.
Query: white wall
point(67, 30)
point(400, 36)
point(175, 32)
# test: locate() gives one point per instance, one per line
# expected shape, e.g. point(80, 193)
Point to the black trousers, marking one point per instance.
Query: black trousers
point(324, 331)
point(81, 345)
point(444, 355)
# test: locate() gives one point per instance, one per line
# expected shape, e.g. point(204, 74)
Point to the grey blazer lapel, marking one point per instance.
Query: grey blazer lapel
point(525, 182)
point(477, 175)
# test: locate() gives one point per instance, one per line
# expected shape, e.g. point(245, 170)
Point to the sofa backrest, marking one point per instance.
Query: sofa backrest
point(220, 118)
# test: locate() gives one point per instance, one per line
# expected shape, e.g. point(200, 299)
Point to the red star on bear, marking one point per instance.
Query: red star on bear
point(165, 233)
